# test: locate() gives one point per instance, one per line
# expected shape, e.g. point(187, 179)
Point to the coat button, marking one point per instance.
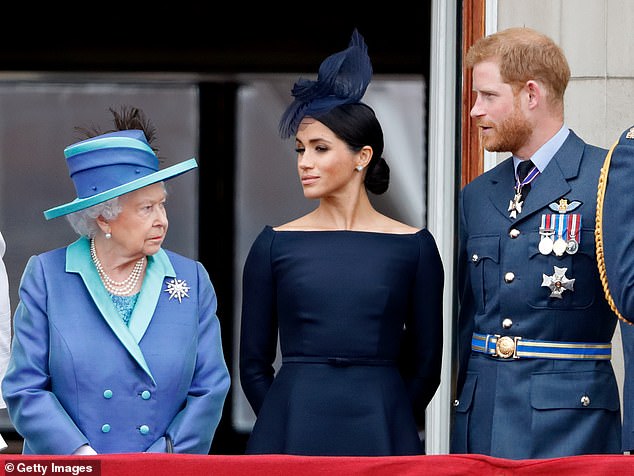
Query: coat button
point(475, 258)
point(144, 429)
point(456, 402)
point(585, 401)
point(509, 277)
point(145, 394)
point(514, 233)
point(105, 428)
point(507, 323)
point(107, 394)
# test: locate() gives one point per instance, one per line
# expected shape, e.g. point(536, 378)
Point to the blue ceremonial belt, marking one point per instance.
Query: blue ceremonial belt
point(507, 347)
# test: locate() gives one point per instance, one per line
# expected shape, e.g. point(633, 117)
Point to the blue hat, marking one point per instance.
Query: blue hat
point(343, 79)
point(110, 165)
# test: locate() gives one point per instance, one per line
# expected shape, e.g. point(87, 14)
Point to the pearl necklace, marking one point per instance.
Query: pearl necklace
point(118, 288)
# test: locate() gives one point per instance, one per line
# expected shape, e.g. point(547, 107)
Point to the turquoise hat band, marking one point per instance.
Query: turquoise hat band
point(159, 176)
point(106, 143)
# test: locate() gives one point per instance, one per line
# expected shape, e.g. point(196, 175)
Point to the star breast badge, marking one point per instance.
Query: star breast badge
point(177, 288)
point(558, 282)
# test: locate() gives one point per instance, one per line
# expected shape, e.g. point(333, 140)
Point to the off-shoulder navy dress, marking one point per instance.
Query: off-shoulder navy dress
point(359, 316)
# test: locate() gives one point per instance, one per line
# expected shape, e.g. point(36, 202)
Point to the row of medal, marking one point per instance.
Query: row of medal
point(559, 234)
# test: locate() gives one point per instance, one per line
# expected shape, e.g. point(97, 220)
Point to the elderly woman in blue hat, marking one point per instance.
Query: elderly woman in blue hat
point(116, 344)
point(354, 295)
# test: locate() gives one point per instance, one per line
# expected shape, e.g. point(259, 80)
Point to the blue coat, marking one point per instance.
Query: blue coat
point(533, 407)
point(617, 234)
point(77, 375)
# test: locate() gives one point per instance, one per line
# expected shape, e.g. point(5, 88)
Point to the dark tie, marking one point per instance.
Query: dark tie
point(522, 171)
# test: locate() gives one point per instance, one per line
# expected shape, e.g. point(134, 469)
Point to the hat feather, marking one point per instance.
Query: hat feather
point(342, 79)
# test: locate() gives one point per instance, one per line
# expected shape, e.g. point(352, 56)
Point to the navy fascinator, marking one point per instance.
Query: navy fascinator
point(343, 78)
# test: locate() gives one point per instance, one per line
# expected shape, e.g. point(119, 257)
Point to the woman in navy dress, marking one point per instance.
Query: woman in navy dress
point(355, 296)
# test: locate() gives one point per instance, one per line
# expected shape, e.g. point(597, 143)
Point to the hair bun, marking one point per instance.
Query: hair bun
point(377, 178)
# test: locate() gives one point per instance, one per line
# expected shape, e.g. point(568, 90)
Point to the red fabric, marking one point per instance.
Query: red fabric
point(274, 465)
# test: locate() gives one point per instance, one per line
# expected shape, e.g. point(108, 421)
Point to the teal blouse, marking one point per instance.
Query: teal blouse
point(125, 305)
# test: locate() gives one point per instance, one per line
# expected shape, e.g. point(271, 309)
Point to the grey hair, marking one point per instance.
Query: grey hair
point(84, 222)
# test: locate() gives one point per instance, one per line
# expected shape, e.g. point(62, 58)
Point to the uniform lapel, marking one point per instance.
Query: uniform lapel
point(502, 186)
point(548, 187)
point(552, 184)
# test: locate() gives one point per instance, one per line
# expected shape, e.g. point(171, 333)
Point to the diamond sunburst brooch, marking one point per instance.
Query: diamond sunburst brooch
point(177, 288)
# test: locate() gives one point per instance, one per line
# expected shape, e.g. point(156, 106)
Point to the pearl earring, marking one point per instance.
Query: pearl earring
point(359, 168)
point(108, 236)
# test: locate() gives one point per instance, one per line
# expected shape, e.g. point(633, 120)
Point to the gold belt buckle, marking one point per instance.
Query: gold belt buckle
point(506, 347)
